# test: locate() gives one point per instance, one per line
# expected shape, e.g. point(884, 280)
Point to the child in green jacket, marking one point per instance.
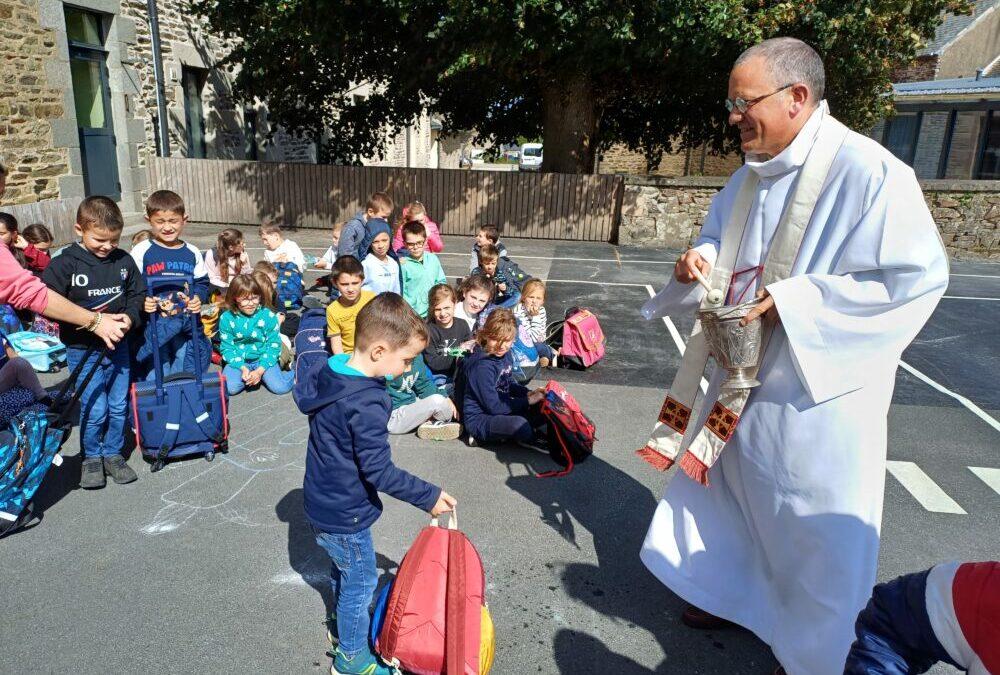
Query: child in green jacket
point(250, 340)
point(418, 403)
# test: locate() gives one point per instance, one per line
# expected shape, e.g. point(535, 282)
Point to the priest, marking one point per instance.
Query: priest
point(773, 521)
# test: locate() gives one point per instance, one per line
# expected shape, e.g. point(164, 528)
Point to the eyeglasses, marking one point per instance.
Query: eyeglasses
point(741, 105)
point(415, 244)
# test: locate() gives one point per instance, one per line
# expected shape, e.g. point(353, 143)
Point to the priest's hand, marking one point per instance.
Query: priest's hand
point(765, 308)
point(691, 260)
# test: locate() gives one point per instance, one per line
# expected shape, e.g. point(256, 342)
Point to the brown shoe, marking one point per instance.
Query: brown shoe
point(699, 619)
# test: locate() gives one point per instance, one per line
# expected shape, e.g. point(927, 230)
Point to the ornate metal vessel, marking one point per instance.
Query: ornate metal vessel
point(736, 348)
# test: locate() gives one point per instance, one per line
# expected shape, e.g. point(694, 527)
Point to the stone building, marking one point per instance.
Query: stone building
point(698, 161)
point(948, 102)
point(78, 113)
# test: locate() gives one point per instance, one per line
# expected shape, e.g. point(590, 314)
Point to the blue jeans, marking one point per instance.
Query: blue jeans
point(544, 350)
point(172, 356)
point(104, 402)
point(510, 300)
point(276, 380)
point(353, 577)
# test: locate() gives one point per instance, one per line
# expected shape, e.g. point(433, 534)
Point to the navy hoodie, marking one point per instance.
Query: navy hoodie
point(348, 459)
point(487, 388)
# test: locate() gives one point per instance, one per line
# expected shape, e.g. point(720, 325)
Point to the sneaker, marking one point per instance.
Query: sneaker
point(120, 472)
point(555, 360)
point(470, 441)
point(92, 474)
point(312, 302)
point(436, 430)
point(363, 663)
point(331, 631)
point(539, 444)
point(543, 362)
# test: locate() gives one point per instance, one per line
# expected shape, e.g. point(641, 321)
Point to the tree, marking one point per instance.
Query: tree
point(582, 74)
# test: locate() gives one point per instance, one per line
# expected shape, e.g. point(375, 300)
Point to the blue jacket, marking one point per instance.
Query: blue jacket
point(373, 228)
point(348, 459)
point(351, 235)
point(487, 388)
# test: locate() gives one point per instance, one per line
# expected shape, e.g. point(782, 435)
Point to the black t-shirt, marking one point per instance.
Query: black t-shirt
point(442, 339)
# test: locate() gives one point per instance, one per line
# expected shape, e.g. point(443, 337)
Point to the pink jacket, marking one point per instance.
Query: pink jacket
point(19, 287)
point(434, 242)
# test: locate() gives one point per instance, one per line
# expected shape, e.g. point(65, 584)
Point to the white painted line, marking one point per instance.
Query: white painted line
point(924, 490)
point(989, 476)
point(676, 336)
point(972, 407)
point(977, 276)
point(967, 297)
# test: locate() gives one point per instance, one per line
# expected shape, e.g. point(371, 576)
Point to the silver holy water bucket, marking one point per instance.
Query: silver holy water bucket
point(736, 348)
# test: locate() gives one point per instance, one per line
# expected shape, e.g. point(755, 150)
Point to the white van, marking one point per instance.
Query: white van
point(530, 158)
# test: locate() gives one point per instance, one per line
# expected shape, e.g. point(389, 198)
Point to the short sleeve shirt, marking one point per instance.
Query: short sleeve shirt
point(340, 320)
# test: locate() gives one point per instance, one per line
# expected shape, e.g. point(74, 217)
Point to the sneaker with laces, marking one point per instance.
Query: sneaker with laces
point(538, 443)
point(436, 430)
point(364, 663)
point(120, 472)
point(92, 474)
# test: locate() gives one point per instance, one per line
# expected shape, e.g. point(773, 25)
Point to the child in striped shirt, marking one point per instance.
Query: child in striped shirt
point(531, 312)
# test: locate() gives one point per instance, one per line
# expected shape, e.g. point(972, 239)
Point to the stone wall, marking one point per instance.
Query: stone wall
point(28, 104)
point(670, 212)
point(691, 162)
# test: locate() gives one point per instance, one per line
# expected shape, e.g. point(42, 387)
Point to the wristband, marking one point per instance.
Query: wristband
point(94, 323)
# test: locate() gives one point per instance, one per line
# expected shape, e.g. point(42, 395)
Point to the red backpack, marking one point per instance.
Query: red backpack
point(579, 339)
point(433, 618)
point(571, 433)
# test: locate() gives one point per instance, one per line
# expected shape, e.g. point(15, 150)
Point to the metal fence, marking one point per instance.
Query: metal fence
point(533, 205)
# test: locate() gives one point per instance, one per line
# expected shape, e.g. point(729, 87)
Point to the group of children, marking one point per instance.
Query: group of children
point(407, 351)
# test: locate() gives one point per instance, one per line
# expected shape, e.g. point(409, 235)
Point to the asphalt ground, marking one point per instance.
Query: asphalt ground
point(212, 568)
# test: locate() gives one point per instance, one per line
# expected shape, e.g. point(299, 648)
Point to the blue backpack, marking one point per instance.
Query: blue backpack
point(29, 445)
point(311, 352)
point(45, 353)
point(9, 321)
point(289, 288)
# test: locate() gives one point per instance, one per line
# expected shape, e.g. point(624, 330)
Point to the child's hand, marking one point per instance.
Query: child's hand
point(468, 345)
point(244, 374)
point(193, 304)
point(535, 396)
point(21, 242)
point(149, 305)
point(254, 377)
point(322, 264)
point(445, 504)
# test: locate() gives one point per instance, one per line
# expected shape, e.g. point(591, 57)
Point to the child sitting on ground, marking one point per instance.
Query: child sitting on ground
point(420, 270)
point(250, 343)
point(379, 206)
point(35, 242)
point(507, 294)
point(531, 312)
point(17, 372)
point(227, 260)
point(141, 236)
point(447, 336)
point(381, 270)
point(488, 234)
point(476, 291)
point(418, 403)
point(494, 407)
point(417, 211)
point(326, 261)
point(277, 249)
point(348, 461)
point(96, 274)
point(342, 313)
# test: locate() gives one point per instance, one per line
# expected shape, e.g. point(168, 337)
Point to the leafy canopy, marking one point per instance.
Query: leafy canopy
point(657, 69)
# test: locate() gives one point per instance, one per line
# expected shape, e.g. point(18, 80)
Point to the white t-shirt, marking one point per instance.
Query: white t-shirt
point(470, 319)
point(380, 277)
point(291, 251)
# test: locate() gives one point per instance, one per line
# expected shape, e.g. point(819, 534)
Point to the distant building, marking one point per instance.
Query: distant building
point(948, 102)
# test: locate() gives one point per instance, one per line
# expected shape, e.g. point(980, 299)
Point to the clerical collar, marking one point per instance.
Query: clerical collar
point(795, 154)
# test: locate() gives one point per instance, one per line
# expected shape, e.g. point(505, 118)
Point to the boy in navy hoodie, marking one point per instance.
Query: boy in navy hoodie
point(348, 462)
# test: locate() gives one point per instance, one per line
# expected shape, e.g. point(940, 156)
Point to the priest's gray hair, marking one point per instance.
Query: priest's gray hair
point(790, 60)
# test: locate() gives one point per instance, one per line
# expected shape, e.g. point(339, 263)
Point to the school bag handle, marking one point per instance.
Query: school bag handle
point(452, 519)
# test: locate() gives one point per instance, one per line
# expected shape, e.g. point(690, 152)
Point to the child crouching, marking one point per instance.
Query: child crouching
point(418, 403)
point(348, 461)
point(495, 407)
point(250, 343)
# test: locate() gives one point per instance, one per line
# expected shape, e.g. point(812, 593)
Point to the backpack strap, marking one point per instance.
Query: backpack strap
point(455, 605)
point(201, 417)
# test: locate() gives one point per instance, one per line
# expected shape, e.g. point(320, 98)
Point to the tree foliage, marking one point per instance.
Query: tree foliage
point(583, 74)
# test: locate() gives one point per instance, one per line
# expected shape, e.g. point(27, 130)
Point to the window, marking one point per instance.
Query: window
point(989, 165)
point(966, 131)
point(84, 28)
point(900, 135)
point(193, 82)
point(250, 133)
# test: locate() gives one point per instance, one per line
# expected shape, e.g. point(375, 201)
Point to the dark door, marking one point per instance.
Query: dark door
point(92, 99)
